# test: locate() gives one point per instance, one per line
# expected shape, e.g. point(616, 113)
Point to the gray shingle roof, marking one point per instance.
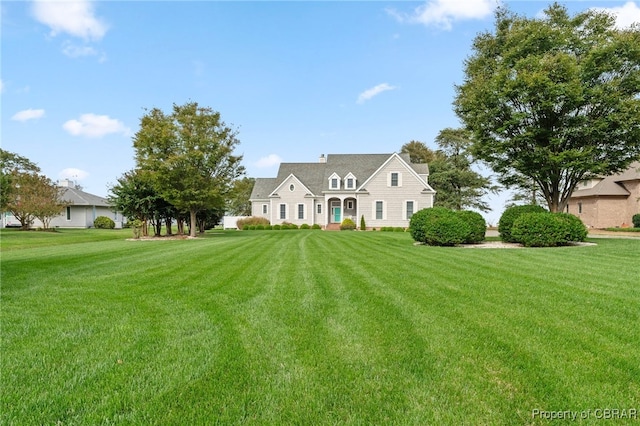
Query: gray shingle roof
point(611, 185)
point(81, 198)
point(315, 176)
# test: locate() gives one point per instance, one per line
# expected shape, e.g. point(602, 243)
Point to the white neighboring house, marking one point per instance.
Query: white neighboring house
point(384, 188)
point(85, 208)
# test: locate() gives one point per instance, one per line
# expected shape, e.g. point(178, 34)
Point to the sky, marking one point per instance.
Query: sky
point(297, 79)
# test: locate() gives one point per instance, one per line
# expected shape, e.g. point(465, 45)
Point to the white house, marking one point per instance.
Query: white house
point(384, 188)
point(84, 209)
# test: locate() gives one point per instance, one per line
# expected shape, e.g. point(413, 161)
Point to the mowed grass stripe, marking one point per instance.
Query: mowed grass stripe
point(300, 327)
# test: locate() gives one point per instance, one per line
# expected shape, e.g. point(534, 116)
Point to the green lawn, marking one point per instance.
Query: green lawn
point(311, 327)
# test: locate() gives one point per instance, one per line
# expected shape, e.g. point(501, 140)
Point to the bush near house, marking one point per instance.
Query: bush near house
point(103, 222)
point(305, 226)
point(636, 220)
point(439, 226)
point(477, 225)
point(509, 217)
point(577, 231)
point(363, 225)
point(347, 225)
point(252, 220)
point(316, 226)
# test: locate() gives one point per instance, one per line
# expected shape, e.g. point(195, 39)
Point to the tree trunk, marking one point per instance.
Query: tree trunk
point(167, 224)
point(192, 223)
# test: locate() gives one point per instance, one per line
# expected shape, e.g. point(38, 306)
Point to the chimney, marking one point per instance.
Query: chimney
point(66, 183)
point(322, 159)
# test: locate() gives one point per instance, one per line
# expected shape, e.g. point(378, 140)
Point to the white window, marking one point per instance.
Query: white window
point(300, 211)
point(292, 187)
point(283, 211)
point(68, 213)
point(379, 210)
point(350, 183)
point(319, 208)
point(350, 205)
point(394, 179)
point(334, 183)
point(265, 209)
point(409, 209)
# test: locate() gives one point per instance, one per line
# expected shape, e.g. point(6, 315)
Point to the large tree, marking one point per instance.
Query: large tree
point(11, 165)
point(238, 203)
point(554, 99)
point(34, 196)
point(189, 156)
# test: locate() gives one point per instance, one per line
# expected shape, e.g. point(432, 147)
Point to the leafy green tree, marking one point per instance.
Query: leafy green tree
point(553, 99)
point(34, 196)
point(12, 164)
point(189, 155)
point(420, 153)
point(238, 203)
point(458, 186)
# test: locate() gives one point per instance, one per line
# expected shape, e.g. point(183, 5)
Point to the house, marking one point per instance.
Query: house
point(81, 213)
point(608, 202)
point(384, 188)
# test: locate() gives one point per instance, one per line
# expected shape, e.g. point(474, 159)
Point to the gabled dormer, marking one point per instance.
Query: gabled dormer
point(350, 182)
point(334, 181)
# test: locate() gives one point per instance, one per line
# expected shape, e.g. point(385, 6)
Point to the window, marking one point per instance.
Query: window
point(292, 187)
point(264, 209)
point(394, 179)
point(68, 213)
point(350, 183)
point(319, 208)
point(300, 211)
point(283, 211)
point(379, 206)
point(409, 209)
point(579, 207)
point(350, 205)
point(334, 183)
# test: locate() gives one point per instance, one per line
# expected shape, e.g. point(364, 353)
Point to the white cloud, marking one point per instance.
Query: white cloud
point(625, 15)
point(269, 161)
point(442, 13)
point(73, 174)
point(374, 91)
point(76, 18)
point(28, 114)
point(75, 51)
point(95, 126)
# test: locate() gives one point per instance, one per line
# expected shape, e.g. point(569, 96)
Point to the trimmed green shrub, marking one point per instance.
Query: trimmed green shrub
point(577, 231)
point(438, 226)
point(509, 217)
point(540, 230)
point(268, 227)
point(103, 222)
point(259, 227)
point(636, 220)
point(476, 223)
point(363, 225)
point(398, 229)
point(305, 226)
point(316, 226)
point(347, 225)
point(252, 220)
point(249, 227)
point(276, 227)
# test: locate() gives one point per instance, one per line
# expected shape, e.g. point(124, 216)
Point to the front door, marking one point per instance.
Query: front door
point(335, 212)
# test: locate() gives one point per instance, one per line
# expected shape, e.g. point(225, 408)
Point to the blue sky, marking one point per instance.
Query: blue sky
point(297, 79)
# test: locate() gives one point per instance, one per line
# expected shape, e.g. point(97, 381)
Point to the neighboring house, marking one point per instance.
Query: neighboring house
point(608, 202)
point(384, 188)
point(85, 208)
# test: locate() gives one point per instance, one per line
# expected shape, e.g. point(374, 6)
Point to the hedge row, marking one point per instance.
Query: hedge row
point(533, 226)
point(439, 226)
point(280, 227)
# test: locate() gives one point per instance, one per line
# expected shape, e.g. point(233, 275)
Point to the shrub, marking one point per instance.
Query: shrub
point(363, 225)
point(577, 231)
point(636, 220)
point(276, 227)
point(305, 226)
point(438, 226)
point(252, 220)
point(259, 227)
point(316, 226)
point(268, 227)
point(136, 225)
point(509, 217)
point(103, 222)
point(398, 229)
point(347, 225)
point(541, 230)
point(249, 227)
point(477, 225)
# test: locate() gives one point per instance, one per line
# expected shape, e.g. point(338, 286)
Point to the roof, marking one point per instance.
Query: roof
point(611, 185)
point(315, 176)
point(81, 198)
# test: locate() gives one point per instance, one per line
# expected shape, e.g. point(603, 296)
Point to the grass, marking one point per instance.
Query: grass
point(303, 327)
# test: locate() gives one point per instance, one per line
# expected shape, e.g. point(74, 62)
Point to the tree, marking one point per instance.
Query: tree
point(419, 153)
point(553, 99)
point(34, 195)
point(12, 164)
point(238, 203)
point(189, 156)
